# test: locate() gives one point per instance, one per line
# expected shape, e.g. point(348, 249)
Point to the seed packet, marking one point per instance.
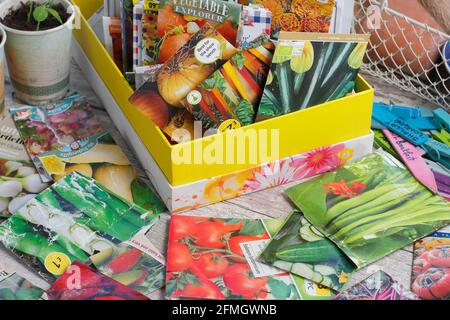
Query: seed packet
point(431, 267)
point(15, 287)
point(309, 290)
point(149, 29)
point(49, 128)
point(75, 218)
point(99, 157)
point(138, 11)
point(232, 92)
point(371, 207)
point(379, 286)
point(178, 21)
point(159, 101)
point(126, 16)
point(309, 69)
point(299, 15)
point(80, 282)
point(216, 259)
point(301, 249)
point(19, 181)
point(112, 32)
point(256, 22)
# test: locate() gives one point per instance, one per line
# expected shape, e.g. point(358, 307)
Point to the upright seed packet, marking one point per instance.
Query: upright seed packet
point(379, 286)
point(112, 31)
point(100, 158)
point(232, 92)
point(160, 101)
point(256, 22)
point(216, 259)
point(48, 128)
point(80, 282)
point(138, 11)
point(70, 221)
point(19, 181)
point(149, 30)
point(431, 267)
point(126, 7)
point(309, 69)
point(371, 207)
point(178, 21)
point(301, 249)
point(15, 287)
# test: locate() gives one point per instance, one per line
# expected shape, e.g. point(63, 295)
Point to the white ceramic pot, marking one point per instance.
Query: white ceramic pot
point(39, 61)
point(2, 69)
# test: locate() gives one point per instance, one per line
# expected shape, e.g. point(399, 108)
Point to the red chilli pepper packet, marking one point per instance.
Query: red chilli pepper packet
point(80, 282)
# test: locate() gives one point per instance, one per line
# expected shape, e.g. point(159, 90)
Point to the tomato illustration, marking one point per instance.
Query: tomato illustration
point(209, 265)
point(421, 265)
point(234, 245)
point(181, 227)
point(440, 256)
point(168, 20)
point(239, 280)
point(178, 257)
point(206, 290)
point(171, 45)
point(210, 234)
point(433, 284)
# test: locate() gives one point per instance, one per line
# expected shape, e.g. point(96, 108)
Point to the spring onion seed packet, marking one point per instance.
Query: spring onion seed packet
point(15, 287)
point(73, 219)
point(379, 286)
point(310, 69)
point(99, 157)
point(233, 92)
point(301, 249)
point(81, 282)
point(216, 259)
point(431, 267)
point(371, 207)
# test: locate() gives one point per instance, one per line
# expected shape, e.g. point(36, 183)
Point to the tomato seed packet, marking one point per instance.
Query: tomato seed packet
point(371, 207)
point(159, 101)
point(431, 267)
point(301, 249)
point(216, 259)
point(48, 128)
point(379, 286)
point(15, 287)
point(233, 92)
point(70, 221)
point(80, 282)
point(100, 157)
point(178, 21)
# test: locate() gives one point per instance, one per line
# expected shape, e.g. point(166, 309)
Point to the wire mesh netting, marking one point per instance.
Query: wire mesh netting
point(404, 52)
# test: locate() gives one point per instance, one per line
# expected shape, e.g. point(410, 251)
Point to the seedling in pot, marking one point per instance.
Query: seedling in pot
point(42, 12)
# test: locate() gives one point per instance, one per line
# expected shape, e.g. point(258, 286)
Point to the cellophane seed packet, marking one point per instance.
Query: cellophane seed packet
point(379, 286)
point(371, 207)
point(15, 287)
point(48, 128)
point(70, 221)
point(216, 259)
point(178, 21)
point(301, 249)
point(309, 69)
point(81, 282)
point(232, 92)
point(160, 101)
point(100, 158)
point(431, 267)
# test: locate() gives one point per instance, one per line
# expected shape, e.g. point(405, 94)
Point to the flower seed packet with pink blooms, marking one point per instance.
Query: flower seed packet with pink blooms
point(301, 249)
point(379, 286)
point(49, 128)
point(370, 208)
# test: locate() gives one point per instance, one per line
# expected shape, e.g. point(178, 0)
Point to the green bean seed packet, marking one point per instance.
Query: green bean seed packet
point(301, 249)
point(371, 207)
point(74, 219)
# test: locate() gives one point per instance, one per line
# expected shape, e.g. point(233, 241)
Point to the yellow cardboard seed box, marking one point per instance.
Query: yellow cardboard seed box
point(265, 141)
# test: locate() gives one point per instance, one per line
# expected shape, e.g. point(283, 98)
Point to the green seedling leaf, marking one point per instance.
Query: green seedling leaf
point(55, 15)
point(40, 14)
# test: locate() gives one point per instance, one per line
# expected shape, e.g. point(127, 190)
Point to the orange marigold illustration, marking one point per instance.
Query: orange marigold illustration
point(289, 22)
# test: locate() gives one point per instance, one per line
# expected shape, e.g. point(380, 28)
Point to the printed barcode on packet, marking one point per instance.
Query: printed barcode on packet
point(251, 252)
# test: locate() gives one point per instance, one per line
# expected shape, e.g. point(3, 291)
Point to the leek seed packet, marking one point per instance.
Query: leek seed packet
point(301, 249)
point(100, 158)
point(15, 287)
point(431, 267)
point(371, 207)
point(81, 282)
point(310, 69)
point(76, 218)
point(379, 286)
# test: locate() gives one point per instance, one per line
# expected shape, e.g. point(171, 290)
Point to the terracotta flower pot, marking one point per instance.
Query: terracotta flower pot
point(39, 61)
